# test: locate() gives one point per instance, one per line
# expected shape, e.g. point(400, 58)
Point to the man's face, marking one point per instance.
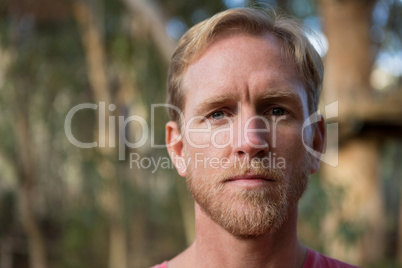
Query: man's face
point(242, 138)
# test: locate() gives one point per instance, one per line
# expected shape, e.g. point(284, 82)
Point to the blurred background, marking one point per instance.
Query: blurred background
point(65, 206)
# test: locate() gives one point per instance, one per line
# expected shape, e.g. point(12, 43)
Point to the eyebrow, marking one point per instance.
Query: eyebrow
point(280, 95)
point(268, 96)
point(215, 101)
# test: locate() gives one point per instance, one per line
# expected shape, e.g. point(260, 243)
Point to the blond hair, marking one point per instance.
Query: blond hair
point(254, 22)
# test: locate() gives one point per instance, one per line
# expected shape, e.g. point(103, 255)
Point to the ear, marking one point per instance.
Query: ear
point(175, 147)
point(318, 144)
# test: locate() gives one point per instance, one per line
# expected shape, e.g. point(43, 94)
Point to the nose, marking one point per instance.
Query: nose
point(252, 137)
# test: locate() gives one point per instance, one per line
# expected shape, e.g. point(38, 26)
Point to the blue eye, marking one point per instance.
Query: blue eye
point(278, 111)
point(218, 115)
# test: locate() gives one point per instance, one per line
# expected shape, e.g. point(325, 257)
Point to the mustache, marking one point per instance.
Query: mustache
point(254, 169)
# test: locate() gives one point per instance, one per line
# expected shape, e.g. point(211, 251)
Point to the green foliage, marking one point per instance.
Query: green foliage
point(83, 238)
point(8, 212)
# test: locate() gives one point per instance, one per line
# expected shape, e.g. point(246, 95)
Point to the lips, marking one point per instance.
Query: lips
point(249, 178)
point(249, 181)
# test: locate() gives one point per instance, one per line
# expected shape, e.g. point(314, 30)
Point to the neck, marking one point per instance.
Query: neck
point(215, 247)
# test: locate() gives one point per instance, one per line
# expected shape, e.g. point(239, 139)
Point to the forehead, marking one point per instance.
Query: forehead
point(240, 64)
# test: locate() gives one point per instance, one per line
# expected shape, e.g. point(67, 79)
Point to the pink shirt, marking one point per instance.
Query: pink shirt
point(163, 265)
point(313, 260)
point(317, 260)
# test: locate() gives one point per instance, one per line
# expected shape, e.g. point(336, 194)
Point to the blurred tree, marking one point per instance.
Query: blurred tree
point(355, 229)
point(92, 37)
point(84, 208)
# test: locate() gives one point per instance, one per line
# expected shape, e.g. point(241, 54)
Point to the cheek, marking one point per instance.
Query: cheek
point(216, 140)
point(198, 139)
point(222, 138)
point(196, 134)
point(289, 145)
point(208, 155)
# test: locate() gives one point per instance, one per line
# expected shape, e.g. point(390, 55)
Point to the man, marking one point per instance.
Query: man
point(242, 85)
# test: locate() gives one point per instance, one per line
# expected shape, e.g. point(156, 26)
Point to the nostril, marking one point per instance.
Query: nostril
point(261, 154)
point(241, 153)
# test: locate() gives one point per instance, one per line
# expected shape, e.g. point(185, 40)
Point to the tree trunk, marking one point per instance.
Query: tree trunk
point(354, 228)
point(398, 177)
point(399, 249)
point(37, 251)
point(6, 252)
point(110, 197)
point(24, 165)
point(151, 18)
point(148, 15)
point(27, 176)
point(354, 186)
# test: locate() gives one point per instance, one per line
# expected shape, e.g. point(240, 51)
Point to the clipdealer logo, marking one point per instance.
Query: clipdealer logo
point(330, 156)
